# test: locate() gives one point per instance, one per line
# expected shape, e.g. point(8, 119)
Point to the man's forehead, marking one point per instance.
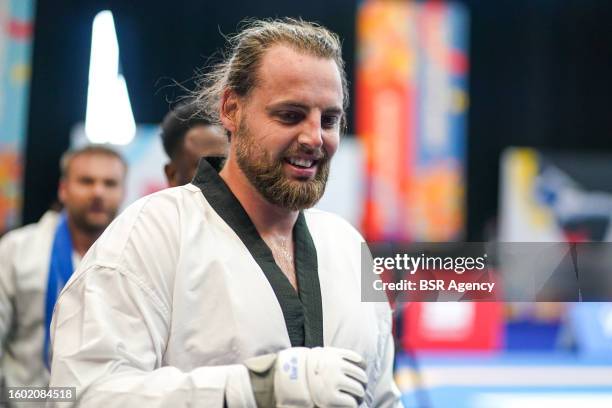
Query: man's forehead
point(99, 165)
point(294, 76)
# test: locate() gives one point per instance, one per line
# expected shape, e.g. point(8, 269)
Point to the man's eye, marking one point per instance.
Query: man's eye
point(329, 121)
point(290, 117)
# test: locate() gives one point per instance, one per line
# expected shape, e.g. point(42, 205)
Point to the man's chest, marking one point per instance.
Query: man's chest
point(225, 310)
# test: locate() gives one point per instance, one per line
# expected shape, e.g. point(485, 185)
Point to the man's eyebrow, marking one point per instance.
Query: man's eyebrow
point(334, 111)
point(301, 106)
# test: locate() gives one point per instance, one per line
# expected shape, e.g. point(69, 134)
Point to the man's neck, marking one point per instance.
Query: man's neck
point(81, 240)
point(269, 219)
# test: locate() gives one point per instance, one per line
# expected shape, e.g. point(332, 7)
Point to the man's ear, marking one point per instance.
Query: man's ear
point(61, 192)
point(170, 170)
point(230, 111)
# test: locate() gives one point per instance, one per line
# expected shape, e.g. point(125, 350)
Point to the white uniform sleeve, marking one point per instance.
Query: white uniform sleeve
point(111, 323)
point(7, 290)
point(386, 393)
point(109, 335)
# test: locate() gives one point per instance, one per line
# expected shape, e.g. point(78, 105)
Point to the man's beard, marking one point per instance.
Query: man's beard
point(81, 220)
point(267, 176)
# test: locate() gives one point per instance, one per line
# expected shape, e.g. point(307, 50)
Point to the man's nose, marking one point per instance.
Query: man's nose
point(98, 189)
point(312, 134)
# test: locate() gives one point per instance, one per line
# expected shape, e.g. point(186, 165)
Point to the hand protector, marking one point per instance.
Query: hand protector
point(322, 377)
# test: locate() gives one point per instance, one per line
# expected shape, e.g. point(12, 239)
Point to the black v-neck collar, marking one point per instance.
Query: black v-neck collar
point(302, 311)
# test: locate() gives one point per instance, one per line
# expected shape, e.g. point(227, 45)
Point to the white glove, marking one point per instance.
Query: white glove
point(322, 377)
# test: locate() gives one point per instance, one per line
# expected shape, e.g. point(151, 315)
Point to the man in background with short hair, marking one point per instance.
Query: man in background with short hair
point(188, 136)
point(37, 260)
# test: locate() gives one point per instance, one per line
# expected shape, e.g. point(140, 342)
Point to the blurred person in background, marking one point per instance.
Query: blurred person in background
point(231, 291)
point(188, 136)
point(37, 260)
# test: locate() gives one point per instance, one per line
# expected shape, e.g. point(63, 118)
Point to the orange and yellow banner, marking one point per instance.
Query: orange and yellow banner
point(410, 115)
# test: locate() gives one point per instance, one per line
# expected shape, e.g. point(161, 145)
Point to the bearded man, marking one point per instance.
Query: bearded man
point(38, 259)
point(231, 291)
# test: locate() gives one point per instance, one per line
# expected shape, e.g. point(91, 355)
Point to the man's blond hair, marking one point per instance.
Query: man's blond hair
point(238, 71)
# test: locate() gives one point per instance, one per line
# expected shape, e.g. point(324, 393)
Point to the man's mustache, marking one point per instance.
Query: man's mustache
point(97, 205)
point(314, 154)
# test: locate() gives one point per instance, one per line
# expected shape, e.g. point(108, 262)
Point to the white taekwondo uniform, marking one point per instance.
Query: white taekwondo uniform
point(180, 289)
point(24, 268)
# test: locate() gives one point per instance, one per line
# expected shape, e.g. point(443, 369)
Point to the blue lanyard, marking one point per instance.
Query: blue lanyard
point(60, 270)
